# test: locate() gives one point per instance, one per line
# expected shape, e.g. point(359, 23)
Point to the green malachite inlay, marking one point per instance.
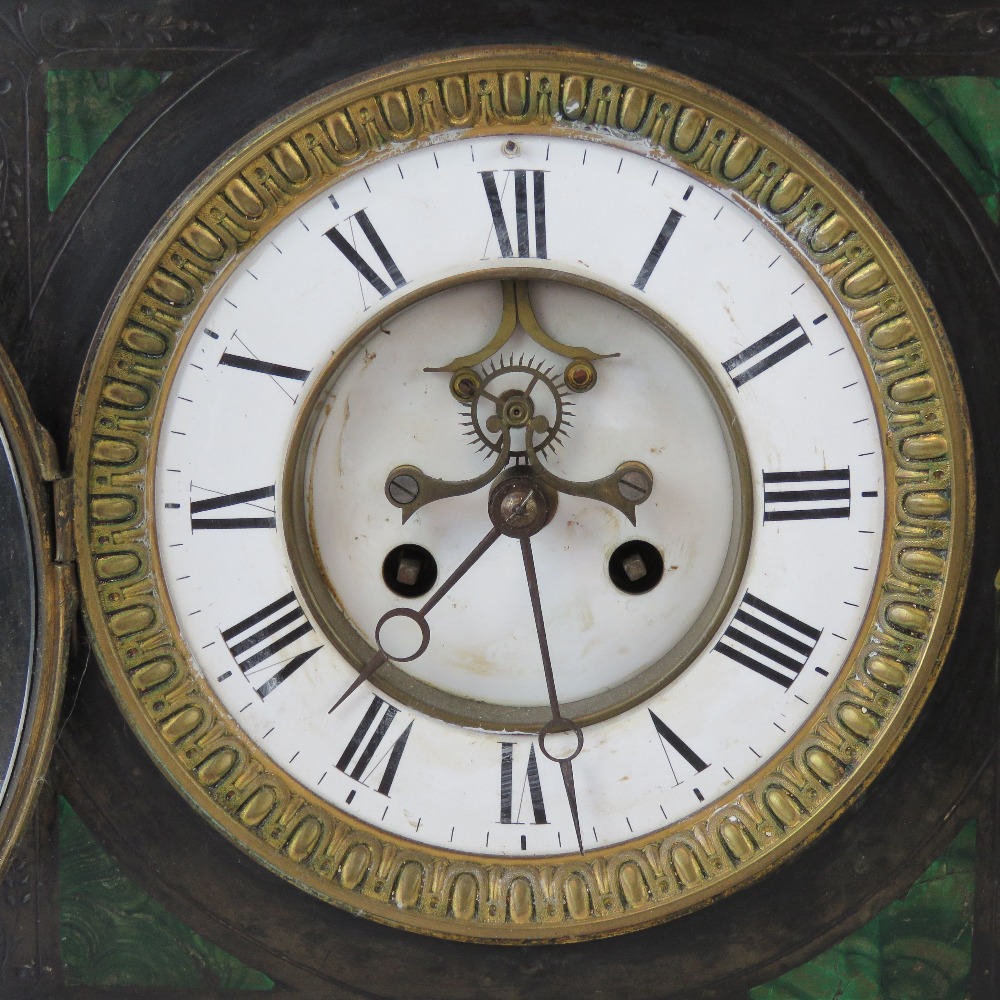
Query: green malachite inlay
point(918, 948)
point(962, 114)
point(84, 107)
point(113, 934)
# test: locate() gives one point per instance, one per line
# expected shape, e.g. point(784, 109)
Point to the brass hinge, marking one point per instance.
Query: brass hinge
point(62, 508)
point(62, 495)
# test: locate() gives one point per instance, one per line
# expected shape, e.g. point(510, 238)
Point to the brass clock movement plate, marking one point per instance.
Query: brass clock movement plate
point(522, 495)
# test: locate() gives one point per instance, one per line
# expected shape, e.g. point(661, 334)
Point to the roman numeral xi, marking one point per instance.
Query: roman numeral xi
point(364, 266)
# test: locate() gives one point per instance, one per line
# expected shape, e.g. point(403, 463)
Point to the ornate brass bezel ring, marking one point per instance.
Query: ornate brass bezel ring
point(795, 794)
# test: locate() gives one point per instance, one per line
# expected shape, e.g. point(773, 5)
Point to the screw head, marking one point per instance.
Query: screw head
point(580, 375)
point(635, 484)
point(402, 488)
point(465, 384)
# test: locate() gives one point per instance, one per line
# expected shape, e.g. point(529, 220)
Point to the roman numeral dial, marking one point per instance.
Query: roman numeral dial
point(424, 325)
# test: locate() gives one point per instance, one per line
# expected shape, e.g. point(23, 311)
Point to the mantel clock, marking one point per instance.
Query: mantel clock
point(521, 495)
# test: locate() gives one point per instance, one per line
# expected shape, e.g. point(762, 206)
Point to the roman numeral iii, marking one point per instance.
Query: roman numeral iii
point(531, 783)
point(768, 641)
point(529, 218)
point(807, 496)
point(254, 641)
point(372, 733)
point(766, 352)
point(357, 260)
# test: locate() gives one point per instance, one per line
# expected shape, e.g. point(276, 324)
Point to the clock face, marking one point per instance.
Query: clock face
point(546, 519)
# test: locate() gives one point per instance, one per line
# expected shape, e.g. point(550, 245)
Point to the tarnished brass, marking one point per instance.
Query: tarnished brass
point(886, 675)
point(517, 310)
point(49, 586)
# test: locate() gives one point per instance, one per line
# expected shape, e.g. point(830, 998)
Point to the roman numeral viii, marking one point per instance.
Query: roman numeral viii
point(768, 640)
point(233, 520)
point(527, 217)
point(371, 732)
point(358, 262)
point(766, 352)
point(255, 641)
point(807, 496)
point(532, 784)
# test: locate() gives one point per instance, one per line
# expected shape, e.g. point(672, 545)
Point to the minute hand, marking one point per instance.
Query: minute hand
point(557, 724)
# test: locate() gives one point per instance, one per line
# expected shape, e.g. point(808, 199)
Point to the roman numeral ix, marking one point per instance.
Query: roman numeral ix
point(807, 496)
point(358, 262)
point(524, 214)
point(769, 641)
point(259, 637)
point(375, 733)
point(766, 352)
point(532, 783)
point(249, 497)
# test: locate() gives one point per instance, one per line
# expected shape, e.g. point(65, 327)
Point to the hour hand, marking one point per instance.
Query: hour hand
point(624, 489)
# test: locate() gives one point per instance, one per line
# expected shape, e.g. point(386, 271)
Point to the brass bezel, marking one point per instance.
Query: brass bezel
point(55, 603)
point(794, 795)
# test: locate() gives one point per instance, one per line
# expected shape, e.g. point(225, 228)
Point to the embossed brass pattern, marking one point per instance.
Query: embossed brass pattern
point(794, 795)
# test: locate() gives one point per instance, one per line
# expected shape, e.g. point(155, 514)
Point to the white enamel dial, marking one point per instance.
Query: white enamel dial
point(734, 381)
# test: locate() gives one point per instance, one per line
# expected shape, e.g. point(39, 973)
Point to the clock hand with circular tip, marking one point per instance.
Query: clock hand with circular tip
point(558, 723)
point(420, 617)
